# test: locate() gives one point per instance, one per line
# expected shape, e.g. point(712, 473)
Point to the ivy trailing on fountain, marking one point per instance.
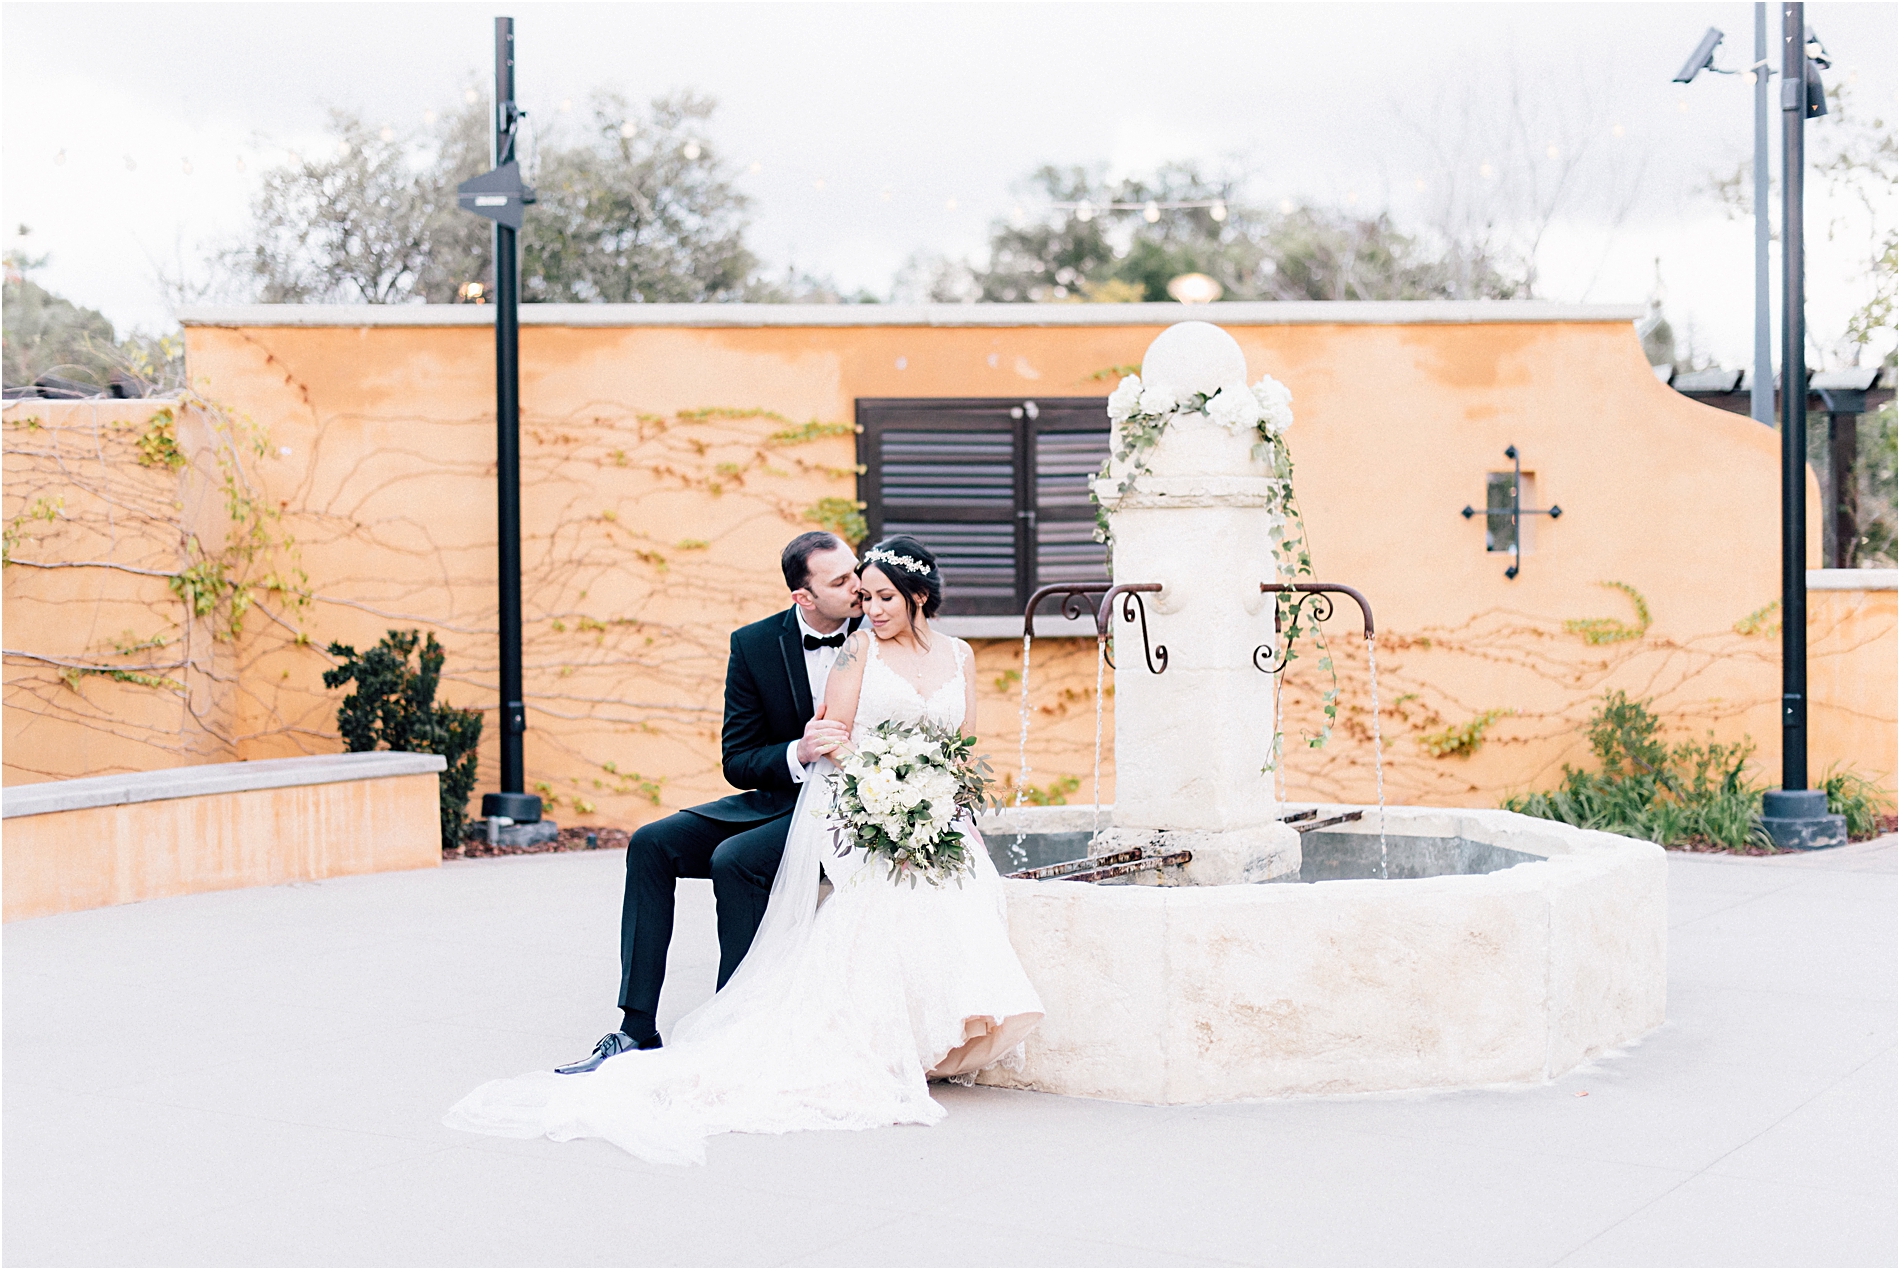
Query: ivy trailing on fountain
point(1141, 414)
point(394, 708)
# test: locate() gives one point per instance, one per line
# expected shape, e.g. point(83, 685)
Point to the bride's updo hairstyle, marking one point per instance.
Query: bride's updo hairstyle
point(912, 570)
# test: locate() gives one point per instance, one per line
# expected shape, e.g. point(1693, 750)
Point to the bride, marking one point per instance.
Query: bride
point(842, 1011)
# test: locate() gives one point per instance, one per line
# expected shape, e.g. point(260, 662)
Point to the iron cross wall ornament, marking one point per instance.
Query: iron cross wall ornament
point(1516, 512)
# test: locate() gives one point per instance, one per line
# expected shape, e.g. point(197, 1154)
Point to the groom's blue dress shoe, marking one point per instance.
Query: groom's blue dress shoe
point(611, 1044)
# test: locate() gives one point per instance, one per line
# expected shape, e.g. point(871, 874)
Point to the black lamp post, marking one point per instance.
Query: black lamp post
point(500, 196)
point(1794, 815)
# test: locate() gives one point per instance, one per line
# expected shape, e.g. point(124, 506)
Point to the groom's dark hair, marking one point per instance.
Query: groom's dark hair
point(796, 558)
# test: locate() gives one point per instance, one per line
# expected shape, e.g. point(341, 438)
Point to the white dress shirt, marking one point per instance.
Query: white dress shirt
point(817, 671)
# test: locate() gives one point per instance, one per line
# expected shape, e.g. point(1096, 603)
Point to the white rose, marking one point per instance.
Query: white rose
point(1157, 400)
point(1126, 399)
point(1234, 408)
point(1276, 404)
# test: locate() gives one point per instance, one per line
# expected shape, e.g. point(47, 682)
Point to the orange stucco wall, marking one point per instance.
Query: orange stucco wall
point(656, 497)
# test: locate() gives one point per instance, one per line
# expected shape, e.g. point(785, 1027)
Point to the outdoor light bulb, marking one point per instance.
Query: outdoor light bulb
point(59, 159)
point(186, 164)
point(1194, 288)
point(471, 96)
point(1286, 207)
point(1151, 213)
point(1552, 151)
point(240, 163)
point(885, 194)
point(1616, 130)
point(1083, 212)
point(1218, 211)
point(819, 184)
point(342, 149)
point(428, 118)
point(755, 167)
point(387, 133)
point(628, 128)
point(690, 149)
point(1352, 196)
point(567, 104)
point(949, 205)
point(1419, 184)
point(1815, 50)
point(1486, 170)
point(1682, 107)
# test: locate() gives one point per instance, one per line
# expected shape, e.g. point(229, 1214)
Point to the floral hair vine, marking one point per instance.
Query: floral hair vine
point(877, 555)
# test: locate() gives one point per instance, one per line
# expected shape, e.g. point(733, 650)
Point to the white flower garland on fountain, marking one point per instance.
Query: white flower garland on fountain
point(1142, 412)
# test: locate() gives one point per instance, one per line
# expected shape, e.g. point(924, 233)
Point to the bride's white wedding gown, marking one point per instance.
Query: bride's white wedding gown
point(838, 1015)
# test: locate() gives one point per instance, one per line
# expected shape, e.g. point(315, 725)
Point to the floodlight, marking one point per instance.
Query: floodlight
point(1702, 59)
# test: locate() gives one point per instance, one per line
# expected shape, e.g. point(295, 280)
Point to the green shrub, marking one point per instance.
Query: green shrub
point(394, 707)
point(1645, 788)
point(1856, 797)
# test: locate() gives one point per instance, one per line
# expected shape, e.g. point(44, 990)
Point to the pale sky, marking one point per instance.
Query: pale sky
point(133, 134)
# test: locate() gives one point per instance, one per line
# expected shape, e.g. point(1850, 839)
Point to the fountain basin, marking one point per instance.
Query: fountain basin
point(1546, 948)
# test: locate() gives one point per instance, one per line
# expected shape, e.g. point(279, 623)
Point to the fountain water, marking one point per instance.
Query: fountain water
point(1428, 948)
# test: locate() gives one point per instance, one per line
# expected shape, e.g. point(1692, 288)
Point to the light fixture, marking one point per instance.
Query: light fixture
point(1151, 213)
point(1218, 211)
point(690, 150)
point(628, 128)
point(386, 133)
point(472, 293)
point(1194, 288)
point(1084, 212)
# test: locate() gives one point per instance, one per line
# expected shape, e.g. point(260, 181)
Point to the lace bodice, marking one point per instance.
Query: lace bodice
point(886, 695)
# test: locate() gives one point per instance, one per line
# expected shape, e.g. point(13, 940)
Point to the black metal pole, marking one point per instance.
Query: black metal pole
point(1794, 407)
point(1761, 401)
point(1794, 815)
point(514, 720)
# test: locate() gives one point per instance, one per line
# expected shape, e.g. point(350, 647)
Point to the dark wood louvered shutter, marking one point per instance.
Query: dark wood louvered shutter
point(1002, 499)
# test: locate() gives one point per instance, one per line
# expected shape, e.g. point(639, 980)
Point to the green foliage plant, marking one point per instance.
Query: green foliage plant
point(1856, 797)
point(394, 708)
point(842, 516)
point(1645, 788)
point(1610, 630)
point(1461, 740)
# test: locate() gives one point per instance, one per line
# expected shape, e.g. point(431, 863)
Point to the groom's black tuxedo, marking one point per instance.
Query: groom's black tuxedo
point(737, 840)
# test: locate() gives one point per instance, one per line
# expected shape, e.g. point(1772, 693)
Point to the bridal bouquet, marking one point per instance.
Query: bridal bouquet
point(899, 795)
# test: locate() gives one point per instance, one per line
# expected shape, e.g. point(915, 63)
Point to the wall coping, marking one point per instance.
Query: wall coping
point(1233, 313)
point(210, 778)
point(1854, 579)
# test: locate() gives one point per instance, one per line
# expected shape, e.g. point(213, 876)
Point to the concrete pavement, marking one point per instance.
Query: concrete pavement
point(256, 1077)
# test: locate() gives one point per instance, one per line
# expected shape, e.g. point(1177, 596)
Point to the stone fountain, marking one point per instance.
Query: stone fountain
point(1421, 948)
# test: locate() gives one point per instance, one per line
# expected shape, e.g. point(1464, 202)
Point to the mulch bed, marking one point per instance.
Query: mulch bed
point(573, 838)
point(1887, 824)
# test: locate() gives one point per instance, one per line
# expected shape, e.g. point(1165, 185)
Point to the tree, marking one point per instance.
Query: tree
point(1299, 252)
point(639, 210)
point(47, 334)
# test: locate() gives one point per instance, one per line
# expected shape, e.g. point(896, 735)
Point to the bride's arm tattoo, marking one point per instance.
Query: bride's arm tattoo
point(846, 654)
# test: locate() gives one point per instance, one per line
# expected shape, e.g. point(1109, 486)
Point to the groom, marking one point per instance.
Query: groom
point(775, 674)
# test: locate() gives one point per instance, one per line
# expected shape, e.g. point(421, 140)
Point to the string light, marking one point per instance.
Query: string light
point(1553, 151)
point(1486, 170)
point(428, 118)
point(1418, 183)
point(819, 184)
point(1083, 213)
point(471, 96)
point(186, 164)
point(59, 160)
point(949, 205)
point(1286, 207)
point(755, 167)
point(1152, 212)
point(567, 104)
point(386, 133)
point(628, 128)
point(690, 150)
point(1218, 211)
point(1616, 130)
point(342, 149)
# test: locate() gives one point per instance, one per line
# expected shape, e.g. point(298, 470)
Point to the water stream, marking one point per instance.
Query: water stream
point(1095, 812)
point(1016, 852)
point(1378, 750)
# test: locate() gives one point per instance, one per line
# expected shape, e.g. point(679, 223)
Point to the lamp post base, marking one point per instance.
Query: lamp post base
point(1798, 820)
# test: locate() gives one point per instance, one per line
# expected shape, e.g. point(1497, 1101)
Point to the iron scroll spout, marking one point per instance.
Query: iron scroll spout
point(1075, 606)
point(1263, 658)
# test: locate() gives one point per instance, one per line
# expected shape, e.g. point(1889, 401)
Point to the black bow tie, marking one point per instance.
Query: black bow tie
point(824, 641)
